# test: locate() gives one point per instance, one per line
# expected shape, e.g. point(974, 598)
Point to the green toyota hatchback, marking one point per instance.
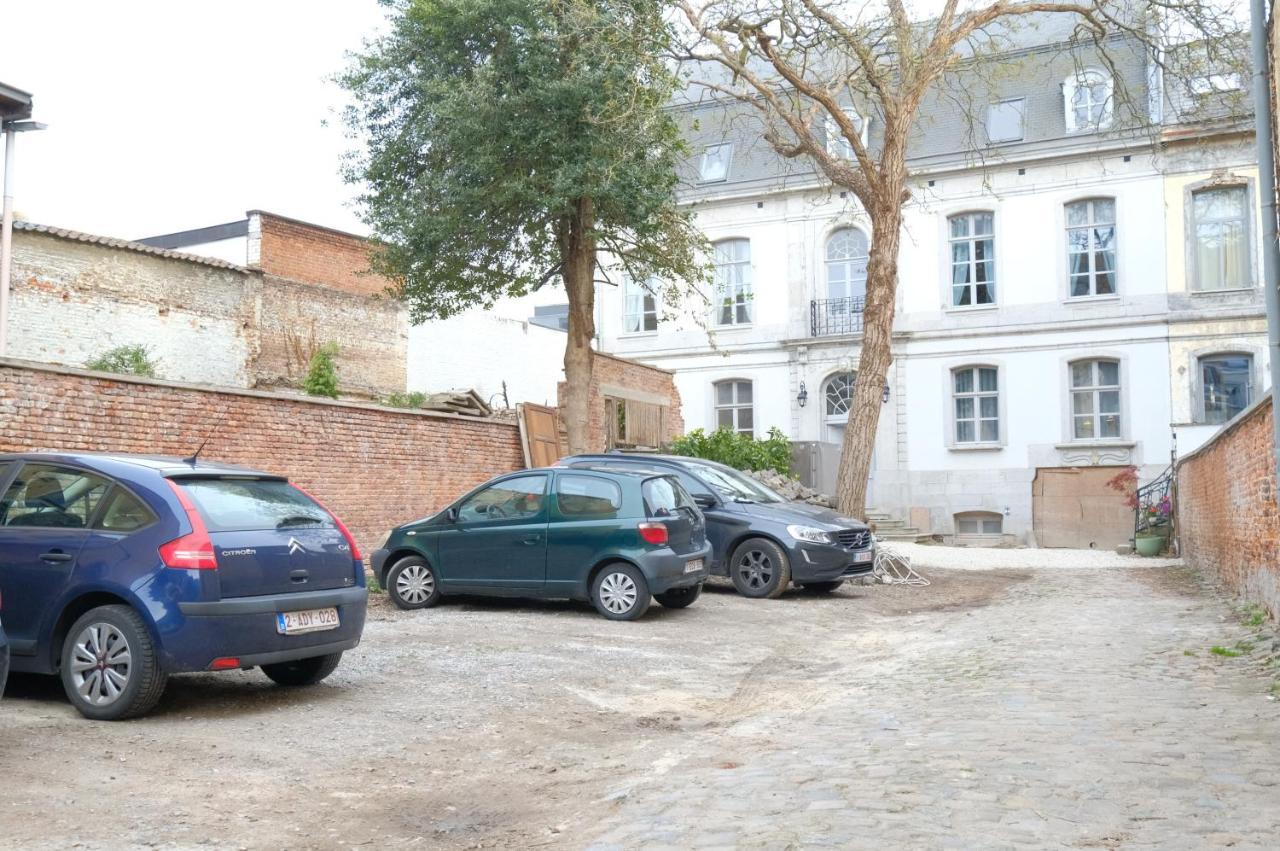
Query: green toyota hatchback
point(616, 539)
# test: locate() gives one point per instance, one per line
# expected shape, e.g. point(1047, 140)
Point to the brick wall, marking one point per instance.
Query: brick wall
point(374, 467)
point(628, 379)
point(1227, 513)
point(315, 255)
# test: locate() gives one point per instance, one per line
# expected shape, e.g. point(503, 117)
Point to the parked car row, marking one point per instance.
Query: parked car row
point(117, 571)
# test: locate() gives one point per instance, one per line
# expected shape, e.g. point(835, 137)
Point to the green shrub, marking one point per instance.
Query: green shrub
point(740, 451)
point(322, 374)
point(125, 360)
point(412, 399)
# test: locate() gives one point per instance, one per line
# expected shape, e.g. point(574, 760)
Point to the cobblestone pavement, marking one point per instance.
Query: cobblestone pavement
point(993, 709)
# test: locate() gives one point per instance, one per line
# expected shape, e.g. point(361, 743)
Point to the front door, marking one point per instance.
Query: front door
point(44, 515)
point(499, 539)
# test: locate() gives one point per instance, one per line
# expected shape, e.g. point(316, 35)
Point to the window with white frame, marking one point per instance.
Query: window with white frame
point(1226, 383)
point(1220, 223)
point(1004, 120)
point(976, 395)
point(1095, 399)
point(733, 282)
point(733, 406)
point(715, 162)
point(1091, 247)
point(837, 395)
point(837, 144)
point(979, 523)
point(1087, 99)
point(639, 306)
point(973, 259)
point(847, 265)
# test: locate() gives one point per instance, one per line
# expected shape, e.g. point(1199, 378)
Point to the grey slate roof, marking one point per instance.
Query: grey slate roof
point(112, 242)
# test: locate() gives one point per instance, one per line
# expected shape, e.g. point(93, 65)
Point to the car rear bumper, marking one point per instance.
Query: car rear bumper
point(665, 570)
point(817, 563)
point(244, 628)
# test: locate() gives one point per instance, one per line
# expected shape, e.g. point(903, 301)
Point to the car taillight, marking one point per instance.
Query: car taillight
point(342, 527)
point(193, 551)
point(653, 533)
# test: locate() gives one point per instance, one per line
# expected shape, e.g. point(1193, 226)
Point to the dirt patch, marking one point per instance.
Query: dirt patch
point(948, 591)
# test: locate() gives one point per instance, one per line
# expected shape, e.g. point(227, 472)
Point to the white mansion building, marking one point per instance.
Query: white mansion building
point(1073, 291)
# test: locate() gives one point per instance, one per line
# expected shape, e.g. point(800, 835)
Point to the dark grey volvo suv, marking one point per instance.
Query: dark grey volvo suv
point(760, 540)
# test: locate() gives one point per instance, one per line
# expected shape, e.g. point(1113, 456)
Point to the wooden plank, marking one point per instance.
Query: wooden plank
point(539, 434)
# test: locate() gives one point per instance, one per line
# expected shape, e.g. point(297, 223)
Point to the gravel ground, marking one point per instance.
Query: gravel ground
point(982, 558)
point(1008, 707)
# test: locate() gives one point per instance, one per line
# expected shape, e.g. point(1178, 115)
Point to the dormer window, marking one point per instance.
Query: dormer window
point(837, 144)
point(1004, 121)
point(1087, 98)
point(715, 163)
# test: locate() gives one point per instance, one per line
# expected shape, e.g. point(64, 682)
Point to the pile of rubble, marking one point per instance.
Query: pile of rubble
point(791, 489)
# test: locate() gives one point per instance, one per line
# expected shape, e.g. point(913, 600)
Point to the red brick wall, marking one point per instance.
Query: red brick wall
point(373, 467)
point(316, 255)
point(610, 371)
point(1227, 513)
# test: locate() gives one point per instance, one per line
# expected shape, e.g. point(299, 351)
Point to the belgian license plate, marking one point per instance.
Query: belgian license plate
point(693, 565)
point(309, 620)
point(862, 558)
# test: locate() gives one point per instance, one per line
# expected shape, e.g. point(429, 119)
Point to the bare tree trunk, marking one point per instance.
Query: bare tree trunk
point(578, 256)
point(876, 357)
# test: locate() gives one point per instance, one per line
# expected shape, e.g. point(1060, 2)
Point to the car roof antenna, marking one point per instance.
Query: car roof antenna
point(195, 456)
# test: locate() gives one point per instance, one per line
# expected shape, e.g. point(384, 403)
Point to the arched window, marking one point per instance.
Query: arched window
point(837, 395)
point(1226, 385)
point(1091, 247)
point(847, 265)
point(976, 394)
point(979, 523)
point(837, 144)
point(734, 407)
point(1086, 98)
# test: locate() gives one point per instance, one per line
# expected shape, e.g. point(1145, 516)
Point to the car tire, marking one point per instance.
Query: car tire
point(96, 687)
point(411, 584)
point(679, 598)
point(302, 672)
point(823, 587)
point(620, 592)
point(759, 568)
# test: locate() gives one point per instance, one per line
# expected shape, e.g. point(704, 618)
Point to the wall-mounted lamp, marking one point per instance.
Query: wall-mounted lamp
point(884, 397)
point(803, 395)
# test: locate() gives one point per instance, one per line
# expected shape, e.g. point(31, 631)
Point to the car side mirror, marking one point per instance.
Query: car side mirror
point(704, 500)
point(451, 514)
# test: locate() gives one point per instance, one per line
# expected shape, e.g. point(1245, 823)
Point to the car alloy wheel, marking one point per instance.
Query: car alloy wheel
point(756, 569)
point(416, 584)
point(618, 593)
point(101, 664)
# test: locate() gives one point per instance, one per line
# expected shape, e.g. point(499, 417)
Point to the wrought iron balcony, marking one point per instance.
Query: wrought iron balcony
point(832, 316)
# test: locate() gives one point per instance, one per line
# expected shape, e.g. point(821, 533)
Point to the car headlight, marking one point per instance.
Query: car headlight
point(810, 534)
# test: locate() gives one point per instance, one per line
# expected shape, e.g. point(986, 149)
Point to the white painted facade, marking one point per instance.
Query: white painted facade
point(1030, 336)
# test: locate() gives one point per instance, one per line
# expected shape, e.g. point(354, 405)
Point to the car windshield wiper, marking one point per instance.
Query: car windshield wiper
point(299, 520)
point(743, 499)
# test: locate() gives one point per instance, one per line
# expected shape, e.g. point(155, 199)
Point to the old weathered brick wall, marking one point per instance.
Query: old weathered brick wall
point(627, 379)
point(1227, 513)
point(315, 255)
point(76, 296)
point(374, 467)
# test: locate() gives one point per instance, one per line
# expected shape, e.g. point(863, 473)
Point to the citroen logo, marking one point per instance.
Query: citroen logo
point(295, 547)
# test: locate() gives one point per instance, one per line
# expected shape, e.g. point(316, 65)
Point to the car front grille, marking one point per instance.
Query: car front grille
point(853, 539)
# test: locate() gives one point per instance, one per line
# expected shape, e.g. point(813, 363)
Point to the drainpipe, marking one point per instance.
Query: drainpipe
point(6, 235)
point(1264, 128)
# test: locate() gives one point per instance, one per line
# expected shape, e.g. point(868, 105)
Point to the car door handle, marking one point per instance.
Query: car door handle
point(529, 542)
point(55, 556)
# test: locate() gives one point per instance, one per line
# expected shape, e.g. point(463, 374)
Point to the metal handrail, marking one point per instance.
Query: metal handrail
point(833, 316)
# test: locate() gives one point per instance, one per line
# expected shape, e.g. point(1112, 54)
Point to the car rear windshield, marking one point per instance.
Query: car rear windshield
point(664, 496)
point(240, 505)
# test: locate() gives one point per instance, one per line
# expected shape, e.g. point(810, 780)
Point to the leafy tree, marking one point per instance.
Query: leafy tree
point(322, 374)
point(513, 142)
point(125, 360)
point(804, 67)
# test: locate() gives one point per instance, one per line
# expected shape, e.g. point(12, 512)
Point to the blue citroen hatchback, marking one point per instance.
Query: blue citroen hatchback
point(118, 570)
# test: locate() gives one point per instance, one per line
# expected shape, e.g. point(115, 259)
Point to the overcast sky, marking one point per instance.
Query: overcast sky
point(167, 115)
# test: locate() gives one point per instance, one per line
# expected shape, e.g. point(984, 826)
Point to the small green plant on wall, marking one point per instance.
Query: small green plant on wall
point(125, 360)
point(737, 450)
point(322, 373)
